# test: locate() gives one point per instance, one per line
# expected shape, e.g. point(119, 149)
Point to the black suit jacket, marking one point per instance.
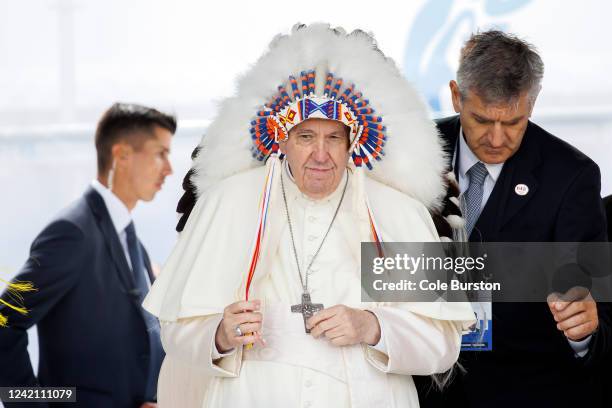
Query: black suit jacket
point(91, 329)
point(532, 364)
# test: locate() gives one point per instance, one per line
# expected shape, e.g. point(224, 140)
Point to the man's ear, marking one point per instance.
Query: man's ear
point(455, 95)
point(121, 154)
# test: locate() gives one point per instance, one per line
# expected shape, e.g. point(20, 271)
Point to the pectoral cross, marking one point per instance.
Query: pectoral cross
point(306, 308)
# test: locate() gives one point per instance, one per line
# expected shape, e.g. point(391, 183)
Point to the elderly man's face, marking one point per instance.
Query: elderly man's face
point(494, 132)
point(317, 153)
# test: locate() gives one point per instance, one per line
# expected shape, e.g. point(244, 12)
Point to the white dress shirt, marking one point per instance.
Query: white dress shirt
point(467, 159)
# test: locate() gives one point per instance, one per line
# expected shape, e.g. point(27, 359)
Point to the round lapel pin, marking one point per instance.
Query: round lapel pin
point(521, 189)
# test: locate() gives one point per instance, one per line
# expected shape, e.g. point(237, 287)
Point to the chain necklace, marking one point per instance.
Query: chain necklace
point(304, 281)
point(306, 307)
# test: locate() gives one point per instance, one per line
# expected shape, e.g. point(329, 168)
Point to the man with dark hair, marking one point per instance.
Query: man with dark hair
point(519, 183)
point(91, 274)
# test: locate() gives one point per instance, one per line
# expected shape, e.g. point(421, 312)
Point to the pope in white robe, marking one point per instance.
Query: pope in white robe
point(225, 351)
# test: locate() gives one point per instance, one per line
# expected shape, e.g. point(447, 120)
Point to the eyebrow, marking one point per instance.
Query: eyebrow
point(309, 131)
point(505, 122)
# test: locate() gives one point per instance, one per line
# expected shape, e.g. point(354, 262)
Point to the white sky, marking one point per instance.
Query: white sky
point(183, 56)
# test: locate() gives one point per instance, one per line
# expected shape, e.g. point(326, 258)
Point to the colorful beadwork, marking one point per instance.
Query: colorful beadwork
point(283, 112)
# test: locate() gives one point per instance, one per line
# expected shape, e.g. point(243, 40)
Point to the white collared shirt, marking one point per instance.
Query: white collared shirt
point(120, 216)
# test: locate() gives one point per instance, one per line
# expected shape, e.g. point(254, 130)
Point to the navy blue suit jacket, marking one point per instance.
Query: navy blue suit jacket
point(532, 363)
point(91, 329)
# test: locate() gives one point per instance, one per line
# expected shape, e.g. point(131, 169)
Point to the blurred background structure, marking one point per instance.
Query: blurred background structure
point(63, 62)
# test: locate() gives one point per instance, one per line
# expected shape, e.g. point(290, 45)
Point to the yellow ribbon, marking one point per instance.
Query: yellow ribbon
point(14, 289)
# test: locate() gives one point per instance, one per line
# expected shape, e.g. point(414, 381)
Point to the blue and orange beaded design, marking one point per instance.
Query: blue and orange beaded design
point(284, 111)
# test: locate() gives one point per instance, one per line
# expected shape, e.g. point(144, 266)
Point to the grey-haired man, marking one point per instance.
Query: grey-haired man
point(522, 184)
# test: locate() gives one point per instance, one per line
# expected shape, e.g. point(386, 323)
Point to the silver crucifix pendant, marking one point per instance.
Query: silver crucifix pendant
point(306, 308)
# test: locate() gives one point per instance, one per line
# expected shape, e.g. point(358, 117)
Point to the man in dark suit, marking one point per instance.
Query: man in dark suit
point(519, 183)
point(91, 274)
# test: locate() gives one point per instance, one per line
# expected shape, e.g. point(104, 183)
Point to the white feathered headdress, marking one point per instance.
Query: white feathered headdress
point(317, 71)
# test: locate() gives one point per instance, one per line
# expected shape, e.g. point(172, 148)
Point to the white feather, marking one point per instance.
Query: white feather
point(455, 221)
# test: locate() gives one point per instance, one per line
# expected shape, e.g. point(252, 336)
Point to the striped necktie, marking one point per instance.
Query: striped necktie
point(473, 195)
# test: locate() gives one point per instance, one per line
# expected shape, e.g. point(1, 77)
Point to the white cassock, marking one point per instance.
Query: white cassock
point(206, 272)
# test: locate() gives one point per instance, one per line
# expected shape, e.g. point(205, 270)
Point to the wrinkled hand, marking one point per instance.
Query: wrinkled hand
point(242, 314)
point(575, 313)
point(345, 326)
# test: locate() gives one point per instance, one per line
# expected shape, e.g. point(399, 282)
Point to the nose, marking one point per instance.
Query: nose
point(496, 135)
point(320, 152)
point(168, 168)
